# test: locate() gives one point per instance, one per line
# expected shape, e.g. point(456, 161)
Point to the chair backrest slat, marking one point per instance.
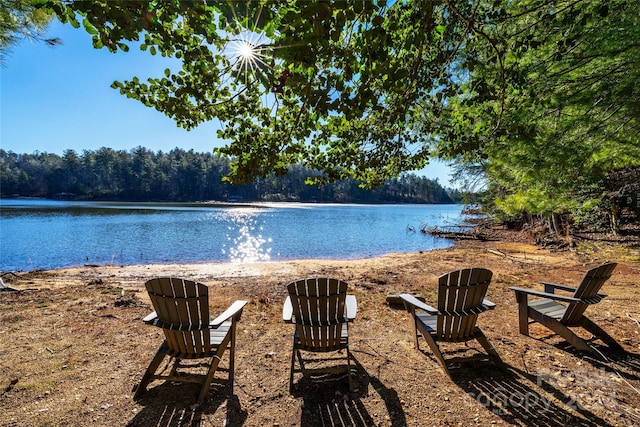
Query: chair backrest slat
point(588, 288)
point(319, 312)
point(183, 304)
point(460, 296)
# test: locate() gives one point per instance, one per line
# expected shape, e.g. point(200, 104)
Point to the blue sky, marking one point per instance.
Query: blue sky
point(54, 99)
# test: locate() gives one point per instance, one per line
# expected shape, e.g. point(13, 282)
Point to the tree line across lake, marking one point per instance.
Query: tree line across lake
point(179, 175)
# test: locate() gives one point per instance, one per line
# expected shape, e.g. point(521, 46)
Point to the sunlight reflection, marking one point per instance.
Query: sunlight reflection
point(249, 55)
point(245, 243)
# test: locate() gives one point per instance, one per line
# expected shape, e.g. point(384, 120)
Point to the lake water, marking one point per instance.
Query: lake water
point(46, 234)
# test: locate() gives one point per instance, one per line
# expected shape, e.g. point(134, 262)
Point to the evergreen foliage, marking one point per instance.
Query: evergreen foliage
point(179, 175)
point(21, 20)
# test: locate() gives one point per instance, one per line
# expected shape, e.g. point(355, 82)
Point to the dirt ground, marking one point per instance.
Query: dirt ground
point(73, 346)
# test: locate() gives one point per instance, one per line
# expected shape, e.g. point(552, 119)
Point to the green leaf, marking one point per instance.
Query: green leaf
point(88, 27)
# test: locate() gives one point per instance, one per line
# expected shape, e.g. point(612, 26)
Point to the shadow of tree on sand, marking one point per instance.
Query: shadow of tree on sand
point(327, 401)
point(171, 405)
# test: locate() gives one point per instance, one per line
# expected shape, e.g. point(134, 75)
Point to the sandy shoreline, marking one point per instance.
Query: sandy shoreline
point(127, 275)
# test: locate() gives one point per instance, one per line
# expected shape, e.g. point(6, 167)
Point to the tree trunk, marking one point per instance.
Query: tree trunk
point(557, 224)
point(615, 217)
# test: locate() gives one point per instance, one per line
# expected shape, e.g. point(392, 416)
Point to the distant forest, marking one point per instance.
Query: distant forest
point(179, 175)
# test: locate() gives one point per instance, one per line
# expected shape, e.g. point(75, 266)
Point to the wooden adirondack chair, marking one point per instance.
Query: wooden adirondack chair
point(182, 311)
point(560, 317)
point(321, 310)
point(460, 301)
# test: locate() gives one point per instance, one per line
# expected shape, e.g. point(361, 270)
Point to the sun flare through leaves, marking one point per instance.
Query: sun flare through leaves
point(248, 54)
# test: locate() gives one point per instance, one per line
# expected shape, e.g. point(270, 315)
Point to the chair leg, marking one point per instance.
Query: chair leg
point(232, 356)
point(436, 351)
point(431, 342)
point(293, 362)
point(600, 333)
point(490, 349)
point(151, 370)
point(349, 370)
point(215, 360)
point(564, 332)
point(523, 313)
point(176, 365)
point(415, 328)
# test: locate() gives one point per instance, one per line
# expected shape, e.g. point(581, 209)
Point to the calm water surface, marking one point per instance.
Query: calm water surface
point(46, 234)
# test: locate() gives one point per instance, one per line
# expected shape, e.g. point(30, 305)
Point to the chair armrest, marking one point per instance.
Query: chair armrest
point(153, 320)
point(488, 304)
point(150, 318)
point(549, 287)
point(411, 300)
point(234, 310)
point(545, 294)
point(352, 307)
point(287, 310)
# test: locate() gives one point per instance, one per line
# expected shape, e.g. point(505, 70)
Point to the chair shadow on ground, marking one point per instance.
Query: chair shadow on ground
point(173, 405)
point(521, 398)
point(328, 403)
point(625, 363)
